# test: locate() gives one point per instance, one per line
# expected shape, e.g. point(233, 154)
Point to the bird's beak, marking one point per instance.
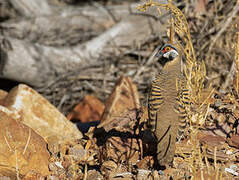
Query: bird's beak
point(159, 54)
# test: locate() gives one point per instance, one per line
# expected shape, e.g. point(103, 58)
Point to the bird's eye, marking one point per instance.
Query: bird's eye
point(167, 49)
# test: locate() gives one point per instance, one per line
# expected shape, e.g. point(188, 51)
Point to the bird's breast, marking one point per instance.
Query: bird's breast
point(169, 90)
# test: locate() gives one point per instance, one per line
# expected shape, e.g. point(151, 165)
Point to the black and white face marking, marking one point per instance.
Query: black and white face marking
point(167, 52)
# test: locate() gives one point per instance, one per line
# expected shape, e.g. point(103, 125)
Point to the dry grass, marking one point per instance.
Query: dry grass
point(195, 72)
point(101, 78)
point(237, 61)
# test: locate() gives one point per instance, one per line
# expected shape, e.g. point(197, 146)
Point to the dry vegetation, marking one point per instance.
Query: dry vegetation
point(210, 40)
point(205, 30)
point(214, 38)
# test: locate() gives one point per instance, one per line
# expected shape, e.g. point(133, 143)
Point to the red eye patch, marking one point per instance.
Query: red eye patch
point(166, 49)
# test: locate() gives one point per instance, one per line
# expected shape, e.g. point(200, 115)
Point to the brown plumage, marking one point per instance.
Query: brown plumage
point(167, 100)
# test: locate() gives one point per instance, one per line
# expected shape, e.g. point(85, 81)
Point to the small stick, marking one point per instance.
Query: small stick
point(237, 62)
point(225, 25)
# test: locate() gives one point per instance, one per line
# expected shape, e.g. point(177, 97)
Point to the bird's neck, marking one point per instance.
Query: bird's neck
point(174, 66)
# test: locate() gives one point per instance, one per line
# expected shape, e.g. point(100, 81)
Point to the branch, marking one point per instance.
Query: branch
point(36, 64)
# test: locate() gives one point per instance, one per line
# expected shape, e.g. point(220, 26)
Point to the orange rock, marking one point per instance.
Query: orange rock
point(234, 141)
point(22, 149)
point(122, 103)
point(213, 141)
point(32, 176)
point(3, 94)
point(37, 113)
point(93, 174)
point(144, 163)
point(88, 110)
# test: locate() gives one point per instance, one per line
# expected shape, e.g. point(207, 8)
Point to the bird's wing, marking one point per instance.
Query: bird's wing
point(155, 100)
point(183, 101)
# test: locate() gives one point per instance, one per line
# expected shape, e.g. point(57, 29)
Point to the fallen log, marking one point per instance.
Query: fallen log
point(36, 64)
point(69, 25)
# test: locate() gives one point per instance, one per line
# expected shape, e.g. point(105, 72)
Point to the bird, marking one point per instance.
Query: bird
point(168, 99)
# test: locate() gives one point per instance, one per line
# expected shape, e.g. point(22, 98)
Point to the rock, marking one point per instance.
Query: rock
point(108, 166)
point(144, 174)
point(53, 178)
point(121, 106)
point(33, 176)
point(233, 141)
point(90, 109)
point(122, 178)
point(78, 153)
point(145, 163)
point(155, 175)
point(93, 174)
point(119, 173)
point(22, 149)
point(4, 178)
point(213, 141)
point(37, 113)
point(3, 94)
point(11, 113)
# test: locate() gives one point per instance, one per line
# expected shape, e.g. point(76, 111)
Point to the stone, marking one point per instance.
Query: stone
point(37, 113)
point(33, 176)
point(22, 149)
point(78, 153)
point(93, 174)
point(121, 106)
point(233, 141)
point(3, 94)
point(90, 109)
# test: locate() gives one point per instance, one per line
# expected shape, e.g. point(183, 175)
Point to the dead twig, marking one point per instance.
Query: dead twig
point(148, 63)
point(224, 26)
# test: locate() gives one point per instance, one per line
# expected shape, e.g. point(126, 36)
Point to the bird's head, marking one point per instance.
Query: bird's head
point(167, 53)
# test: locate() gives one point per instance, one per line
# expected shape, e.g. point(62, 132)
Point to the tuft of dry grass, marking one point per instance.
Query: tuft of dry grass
point(237, 60)
point(195, 72)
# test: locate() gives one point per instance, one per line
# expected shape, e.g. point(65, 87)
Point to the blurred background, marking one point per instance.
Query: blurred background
point(66, 49)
